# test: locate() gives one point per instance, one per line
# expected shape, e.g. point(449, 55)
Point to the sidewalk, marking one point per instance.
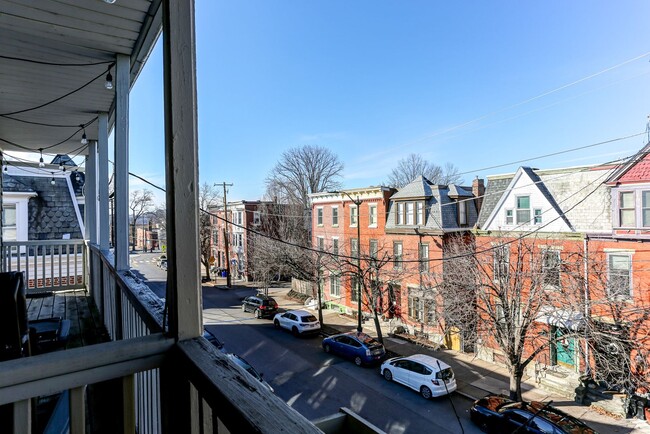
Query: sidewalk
point(475, 378)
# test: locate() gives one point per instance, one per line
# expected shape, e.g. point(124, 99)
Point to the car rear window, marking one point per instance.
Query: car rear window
point(308, 318)
point(445, 374)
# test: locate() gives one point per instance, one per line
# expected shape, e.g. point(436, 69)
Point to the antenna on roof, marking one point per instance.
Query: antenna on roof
point(647, 129)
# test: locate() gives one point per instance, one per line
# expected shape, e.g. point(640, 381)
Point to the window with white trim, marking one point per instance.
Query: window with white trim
point(626, 209)
point(619, 268)
point(335, 246)
point(354, 215)
point(410, 213)
point(373, 248)
point(256, 218)
point(419, 213)
point(319, 216)
point(501, 263)
point(397, 255)
point(354, 247)
point(335, 285)
point(320, 243)
point(509, 219)
point(523, 209)
point(551, 267)
point(462, 212)
point(354, 289)
point(537, 216)
point(372, 214)
point(9, 222)
point(400, 213)
point(335, 216)
point(424, 258)
point(645, 208)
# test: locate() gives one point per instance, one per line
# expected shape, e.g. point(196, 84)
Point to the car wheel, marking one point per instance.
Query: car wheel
point(425, 392)
point(388, 375)
point(258, 314)
point(484, 427)
point(276, 323)
point(358, 361)
point(294, 331)
point(243, 307)
point(327, 348)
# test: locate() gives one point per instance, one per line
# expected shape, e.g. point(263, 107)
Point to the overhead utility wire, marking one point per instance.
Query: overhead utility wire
point(102, 74)
point(43, 124)
point(526, 101)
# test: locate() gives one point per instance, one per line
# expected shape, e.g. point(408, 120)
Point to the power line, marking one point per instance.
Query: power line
point(41, 62)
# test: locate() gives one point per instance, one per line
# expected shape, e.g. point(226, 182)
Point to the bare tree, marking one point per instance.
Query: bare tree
point(414, 165)
point(159, 218)
point(301, 171)
point(499, 290)
point(208, 197)
point(140, 203)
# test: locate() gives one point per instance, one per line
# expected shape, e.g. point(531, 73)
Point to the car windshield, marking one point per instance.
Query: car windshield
point(269, 302)
point(308, 318)
point(244, 364)
point(445, 374)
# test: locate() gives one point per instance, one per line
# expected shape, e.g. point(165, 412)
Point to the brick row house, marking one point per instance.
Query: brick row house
point(402, 236)
point(558, 252)
point(243, 217)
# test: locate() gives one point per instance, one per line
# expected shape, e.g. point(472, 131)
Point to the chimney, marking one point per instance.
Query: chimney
point(478, 190)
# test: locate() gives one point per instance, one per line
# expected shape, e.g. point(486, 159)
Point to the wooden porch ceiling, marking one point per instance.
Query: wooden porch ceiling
point(65, 32)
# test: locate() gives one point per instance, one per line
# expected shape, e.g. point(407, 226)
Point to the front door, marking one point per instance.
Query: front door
point(564, 349)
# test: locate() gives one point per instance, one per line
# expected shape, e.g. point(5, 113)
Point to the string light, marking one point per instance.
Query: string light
point(6, 165)
point(110, 2)
point(84, 138)
point(53, 182)
point(60, 165)
point(76, 176)
point(41, 164)
point(108, 84)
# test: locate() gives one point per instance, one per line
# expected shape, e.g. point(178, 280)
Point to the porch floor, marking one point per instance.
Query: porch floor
point(86, 327)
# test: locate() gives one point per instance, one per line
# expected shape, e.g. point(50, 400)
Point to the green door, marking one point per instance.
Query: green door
point(564, 349)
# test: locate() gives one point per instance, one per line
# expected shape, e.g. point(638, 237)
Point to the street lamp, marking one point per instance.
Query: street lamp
point(357, 202)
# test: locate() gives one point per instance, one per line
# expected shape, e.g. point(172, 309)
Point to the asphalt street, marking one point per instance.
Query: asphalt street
point(316, 384)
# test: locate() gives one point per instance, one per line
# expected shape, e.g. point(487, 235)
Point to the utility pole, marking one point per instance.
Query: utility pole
point(225, 233)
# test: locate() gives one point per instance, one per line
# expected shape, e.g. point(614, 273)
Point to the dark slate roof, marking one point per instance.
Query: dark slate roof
point(547, 194)
point(458, 191)
point(51, 213)
point(419, 187)
point(493, 192)
point(63, 160)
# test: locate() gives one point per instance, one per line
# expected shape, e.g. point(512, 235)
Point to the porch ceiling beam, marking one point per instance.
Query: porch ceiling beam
point(53, 372)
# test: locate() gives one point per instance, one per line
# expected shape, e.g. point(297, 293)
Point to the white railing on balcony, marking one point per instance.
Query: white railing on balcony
point(53, 265)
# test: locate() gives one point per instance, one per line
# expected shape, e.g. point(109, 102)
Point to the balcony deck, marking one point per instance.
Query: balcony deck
point(86, 327)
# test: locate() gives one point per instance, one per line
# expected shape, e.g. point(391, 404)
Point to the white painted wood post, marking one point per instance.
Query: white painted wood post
point(23, 417)
point(90, 204)
point(77, 410)
point(103, 218)
point(181, 164)
point(122, 87)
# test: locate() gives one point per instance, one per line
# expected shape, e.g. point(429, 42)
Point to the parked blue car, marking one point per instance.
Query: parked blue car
point(360, 347)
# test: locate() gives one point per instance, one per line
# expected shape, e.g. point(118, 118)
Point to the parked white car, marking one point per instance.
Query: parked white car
point(422, 373)
point(299, 322)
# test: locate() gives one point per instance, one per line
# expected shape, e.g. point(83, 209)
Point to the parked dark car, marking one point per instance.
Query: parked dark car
point(213, 340)
point(500, 415)
point(239, 361)
point(360, 347)
point(261, 305)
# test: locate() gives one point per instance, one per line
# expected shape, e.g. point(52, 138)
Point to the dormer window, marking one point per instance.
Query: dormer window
point(410, 213)
point(419, 216)
point(626, 209)
point(523, 209)
point(462, 212)
point(400, 213)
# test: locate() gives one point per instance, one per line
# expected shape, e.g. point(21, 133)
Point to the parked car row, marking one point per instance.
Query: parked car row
point(426, 375)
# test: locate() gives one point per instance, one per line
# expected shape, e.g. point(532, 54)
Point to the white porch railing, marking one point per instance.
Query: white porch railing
point(52, 265)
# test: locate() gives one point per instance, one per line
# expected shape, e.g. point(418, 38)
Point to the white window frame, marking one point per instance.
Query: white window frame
point(628, 256)
point(537, 216)
point(419, 213)
point(400, 213)
point(631, 210)
point(518, 210)
point(21, 201)
point(546, 269)
point(335, 285)
point(424, 259)
point(398, 255)
point(354, 216)
point(335, 245)
point(509, 216)
point(372, 215)
point(256, 218)
point(645, 206)
point(319, 216)
point(410, 213)
point(335, 216)
point(320, 243)
point(462, 212)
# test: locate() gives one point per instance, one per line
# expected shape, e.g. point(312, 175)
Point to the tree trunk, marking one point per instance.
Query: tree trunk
point(375, 317)
point(515, 383)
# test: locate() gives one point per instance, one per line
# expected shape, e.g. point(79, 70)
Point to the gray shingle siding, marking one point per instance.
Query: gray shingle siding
point(493, 192)
point(51, 214)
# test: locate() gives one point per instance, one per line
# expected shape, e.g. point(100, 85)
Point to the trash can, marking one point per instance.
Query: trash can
point(224, 273)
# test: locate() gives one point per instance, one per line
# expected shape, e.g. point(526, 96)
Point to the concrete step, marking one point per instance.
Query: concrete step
point(561, 382)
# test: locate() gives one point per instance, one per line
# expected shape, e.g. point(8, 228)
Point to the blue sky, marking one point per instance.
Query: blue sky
point(376, 80)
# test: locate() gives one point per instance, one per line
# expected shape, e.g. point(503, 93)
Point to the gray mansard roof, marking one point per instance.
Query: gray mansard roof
point(441, 209)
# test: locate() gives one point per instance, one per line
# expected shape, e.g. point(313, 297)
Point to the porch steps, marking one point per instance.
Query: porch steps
point(559, 381)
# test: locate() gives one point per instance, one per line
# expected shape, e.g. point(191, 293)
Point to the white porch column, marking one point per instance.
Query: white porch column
point(179, 408)
point(90, 204)
point(122, 87)
point(103, 220)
